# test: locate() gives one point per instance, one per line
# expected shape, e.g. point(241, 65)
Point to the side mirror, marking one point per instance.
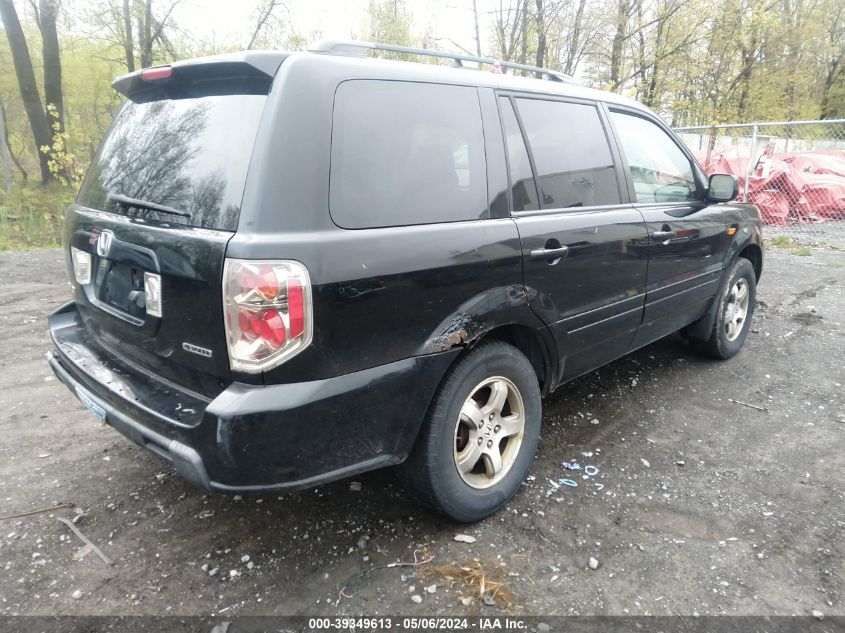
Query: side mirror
point(723, 187)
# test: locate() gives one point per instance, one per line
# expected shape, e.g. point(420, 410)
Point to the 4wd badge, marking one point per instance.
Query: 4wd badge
point(196, 349)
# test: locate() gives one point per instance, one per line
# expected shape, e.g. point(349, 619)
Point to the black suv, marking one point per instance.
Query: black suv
point(289, 268)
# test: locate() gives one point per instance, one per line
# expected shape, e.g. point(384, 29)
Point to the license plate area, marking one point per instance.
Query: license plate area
point(122, 288)
point(86, 399)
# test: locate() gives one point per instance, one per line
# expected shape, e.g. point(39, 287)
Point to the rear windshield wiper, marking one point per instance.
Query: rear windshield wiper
point(126, 201)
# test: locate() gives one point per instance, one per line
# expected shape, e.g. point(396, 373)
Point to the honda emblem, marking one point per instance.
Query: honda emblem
point(104, 243)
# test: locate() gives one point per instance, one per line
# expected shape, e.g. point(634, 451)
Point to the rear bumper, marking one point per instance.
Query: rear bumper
point(253, 438)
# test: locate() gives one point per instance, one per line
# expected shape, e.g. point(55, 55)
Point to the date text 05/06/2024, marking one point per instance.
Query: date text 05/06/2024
point(418, 624)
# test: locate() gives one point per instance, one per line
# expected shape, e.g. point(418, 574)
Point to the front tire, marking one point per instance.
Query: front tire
point(733, 314)
point(480, 436)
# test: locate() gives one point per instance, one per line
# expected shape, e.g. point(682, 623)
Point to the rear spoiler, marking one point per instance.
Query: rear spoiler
point(249, 72)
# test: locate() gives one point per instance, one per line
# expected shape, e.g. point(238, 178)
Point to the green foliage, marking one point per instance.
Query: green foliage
point(62, 163)
point(88, 68)
point(802, 251)
point(389, 22)
point(779, 241)
point(31, 216)
point(744, 60)
point(835, 104)
point(694, 61)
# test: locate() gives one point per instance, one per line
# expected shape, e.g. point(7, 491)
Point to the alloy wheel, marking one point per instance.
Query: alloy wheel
point(489, 432)
point(736, 309)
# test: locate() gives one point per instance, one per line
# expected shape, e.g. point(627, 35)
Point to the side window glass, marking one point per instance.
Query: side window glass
point(406, 153)
point(522, 180)
point(659, 169)
point(571, 153)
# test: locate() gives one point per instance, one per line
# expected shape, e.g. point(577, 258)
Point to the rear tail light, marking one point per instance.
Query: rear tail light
point(81, 265)
point(268, 314)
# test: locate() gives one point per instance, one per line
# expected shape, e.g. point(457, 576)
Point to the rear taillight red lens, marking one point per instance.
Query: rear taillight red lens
point(273, 328)
point(268, 312)
point(297, 307)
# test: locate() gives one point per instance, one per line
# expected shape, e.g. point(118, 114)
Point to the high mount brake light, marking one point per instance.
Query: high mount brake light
point(159, 72)
point(268, 312)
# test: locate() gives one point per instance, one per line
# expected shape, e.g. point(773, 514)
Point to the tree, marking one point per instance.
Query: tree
point(133, 26)
point(264, 15)
point(274, 28)
point(693, 61)
point(128, 46)
point(150, 30)
point(30, 95)
point(477, 32)
point(574, 50)
point(5, 152)
point(508, 28)
point(540, 25)
point(46, 12)
point(833, 104)
point(389, 22)
point(621, 23)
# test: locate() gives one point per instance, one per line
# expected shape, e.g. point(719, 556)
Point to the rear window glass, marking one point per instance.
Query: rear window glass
point(571, 153)
point(406, 153)
point(190, 155)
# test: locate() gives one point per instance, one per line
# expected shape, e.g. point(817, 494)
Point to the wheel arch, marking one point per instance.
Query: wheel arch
point(528, 340)
point(531, 344)
point(500, 313)
point(750, 250)
point(753, 253)
point(747, 242)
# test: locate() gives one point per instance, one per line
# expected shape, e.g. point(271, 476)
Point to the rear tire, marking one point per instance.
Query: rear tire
point(736, 299)
point(480, 436)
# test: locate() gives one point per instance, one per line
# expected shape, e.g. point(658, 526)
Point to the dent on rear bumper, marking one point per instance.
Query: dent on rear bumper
point(276, 437)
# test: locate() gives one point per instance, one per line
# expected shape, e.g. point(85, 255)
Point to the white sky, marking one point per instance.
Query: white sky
point(233, 20)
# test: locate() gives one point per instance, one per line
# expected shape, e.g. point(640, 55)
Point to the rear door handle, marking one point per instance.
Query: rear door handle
point(549, 253)
point(663, 235)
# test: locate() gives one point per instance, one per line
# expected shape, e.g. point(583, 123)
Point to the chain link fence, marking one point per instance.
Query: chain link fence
point(794, 171)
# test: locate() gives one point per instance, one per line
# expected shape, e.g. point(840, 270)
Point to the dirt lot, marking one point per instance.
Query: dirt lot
point(704, 505)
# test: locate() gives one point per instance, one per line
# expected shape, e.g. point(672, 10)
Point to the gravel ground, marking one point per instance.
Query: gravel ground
point(822, 235)
point(700, 505)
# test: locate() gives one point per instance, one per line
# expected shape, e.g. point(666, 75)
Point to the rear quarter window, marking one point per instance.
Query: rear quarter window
point(406, 153)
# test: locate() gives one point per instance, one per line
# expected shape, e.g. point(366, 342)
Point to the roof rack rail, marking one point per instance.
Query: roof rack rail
point(354, 47)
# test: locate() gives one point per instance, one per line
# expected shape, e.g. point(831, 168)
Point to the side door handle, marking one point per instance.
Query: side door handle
point(549, 254)
point(661, 236)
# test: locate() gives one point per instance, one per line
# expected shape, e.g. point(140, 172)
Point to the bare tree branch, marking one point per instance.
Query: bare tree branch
point(262, 19)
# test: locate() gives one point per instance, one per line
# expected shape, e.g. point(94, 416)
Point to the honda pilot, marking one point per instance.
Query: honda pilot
point(291, 268)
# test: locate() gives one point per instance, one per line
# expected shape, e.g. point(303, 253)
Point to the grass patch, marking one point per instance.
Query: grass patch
point(802, 251)
point(31, 216)
point(779, 241)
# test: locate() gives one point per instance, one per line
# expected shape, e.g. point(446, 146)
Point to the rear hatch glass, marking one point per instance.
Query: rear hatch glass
point(180, 161)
